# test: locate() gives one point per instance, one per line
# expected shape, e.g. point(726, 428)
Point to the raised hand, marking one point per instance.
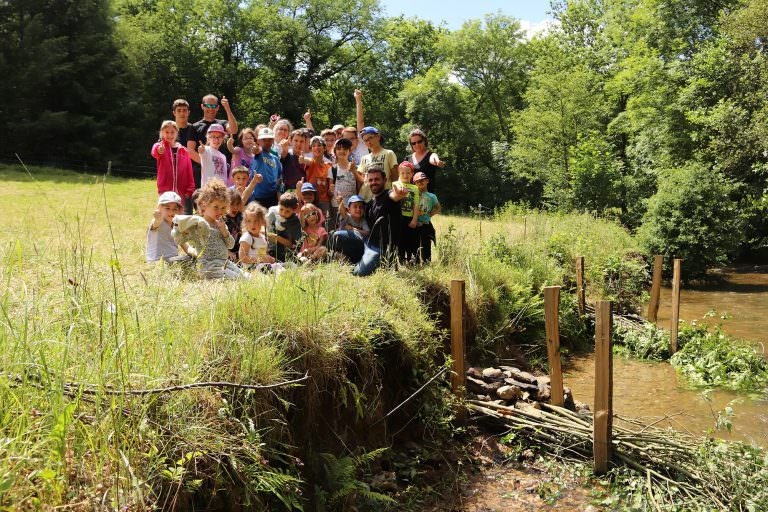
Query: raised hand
point(161, 148)
point(201, 148)
point(158, 215)
point(358, 94)
point(308, 115)
point(225, 103)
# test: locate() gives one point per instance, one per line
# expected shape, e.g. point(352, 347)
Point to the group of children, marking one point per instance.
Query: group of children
point(279, 198)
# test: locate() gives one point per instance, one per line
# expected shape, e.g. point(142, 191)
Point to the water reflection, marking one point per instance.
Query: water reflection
point(653, 390)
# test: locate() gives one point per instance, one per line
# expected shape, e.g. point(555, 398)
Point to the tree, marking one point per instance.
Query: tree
point(63, 77)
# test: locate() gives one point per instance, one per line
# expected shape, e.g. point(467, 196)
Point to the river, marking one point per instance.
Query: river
point(653, 391)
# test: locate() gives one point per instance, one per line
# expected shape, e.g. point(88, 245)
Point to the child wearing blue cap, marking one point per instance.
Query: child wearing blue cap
point(378, 156)
point(352, 216)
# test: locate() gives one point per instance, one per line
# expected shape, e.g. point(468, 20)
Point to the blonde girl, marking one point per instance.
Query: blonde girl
point(253, 244)
point(213, 243)
point(174, 166)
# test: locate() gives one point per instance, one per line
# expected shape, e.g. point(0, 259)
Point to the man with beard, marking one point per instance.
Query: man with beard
point(383, 214)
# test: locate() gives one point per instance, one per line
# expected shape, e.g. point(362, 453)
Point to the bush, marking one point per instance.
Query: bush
point(692, 217)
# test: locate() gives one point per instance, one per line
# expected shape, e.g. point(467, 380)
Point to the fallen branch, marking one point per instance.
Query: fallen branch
point(74, 388)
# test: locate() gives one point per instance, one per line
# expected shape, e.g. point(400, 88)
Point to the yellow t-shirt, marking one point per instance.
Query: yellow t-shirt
point(388, 160)
point(414, 196)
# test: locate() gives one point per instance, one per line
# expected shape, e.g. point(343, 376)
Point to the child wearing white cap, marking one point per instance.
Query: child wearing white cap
point(160, 243)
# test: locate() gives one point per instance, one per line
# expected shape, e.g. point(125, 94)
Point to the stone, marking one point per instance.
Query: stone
point(475, 372)
point(543, 393)
point(492, 373)
point(509, 393)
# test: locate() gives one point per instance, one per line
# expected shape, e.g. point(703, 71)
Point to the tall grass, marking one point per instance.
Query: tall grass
point(80, 305)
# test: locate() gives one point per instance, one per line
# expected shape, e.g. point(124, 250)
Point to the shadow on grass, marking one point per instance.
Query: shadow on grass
point(17, 173)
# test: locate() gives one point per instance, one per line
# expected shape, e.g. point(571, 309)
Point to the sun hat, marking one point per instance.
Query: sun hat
point(169, 197)
point(420, 176)
point(308, 187)
point(216, 127)
point(266, 133)
point(355, 199)
point(370, 130)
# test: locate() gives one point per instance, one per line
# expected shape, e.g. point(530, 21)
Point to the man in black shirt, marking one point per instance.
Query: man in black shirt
point(187, 137)
point(383, 214)
point(210, 106)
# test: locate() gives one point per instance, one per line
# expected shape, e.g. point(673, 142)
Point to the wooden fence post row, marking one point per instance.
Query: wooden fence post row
point(603, 415)
point(653, 305)
point(458, 377)
point(552, 325)
point(675, 306)
point(580, 292)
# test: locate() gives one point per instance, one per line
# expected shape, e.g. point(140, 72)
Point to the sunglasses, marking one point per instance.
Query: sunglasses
point(414, 142)
point(210, 105)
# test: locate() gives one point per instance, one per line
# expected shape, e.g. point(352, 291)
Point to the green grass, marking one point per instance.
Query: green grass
point(81, 305)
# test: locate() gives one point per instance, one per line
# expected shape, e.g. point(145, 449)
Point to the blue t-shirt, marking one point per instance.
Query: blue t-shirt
point(268, 165)
point(427, 203)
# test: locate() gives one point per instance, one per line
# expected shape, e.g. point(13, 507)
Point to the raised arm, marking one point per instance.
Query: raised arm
point(359, 110)
point(231, 121)
point(255, 180)
point(308, 119)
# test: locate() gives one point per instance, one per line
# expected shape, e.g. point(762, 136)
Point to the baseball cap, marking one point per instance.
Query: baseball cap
point(266, 133)
point(419, 176)
point(355, 199)
point(372, 131)
point(308, 187)
point(216, 127)
point(338, 127)
point(407, 164)
point(169, 197)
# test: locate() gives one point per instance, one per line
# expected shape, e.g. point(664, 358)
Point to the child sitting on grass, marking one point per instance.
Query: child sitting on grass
point(286, 230)
point(313, 248)
point(253, 246)
point(160, 243)
point(209, 233)
point(234, 221)
point(429, 206)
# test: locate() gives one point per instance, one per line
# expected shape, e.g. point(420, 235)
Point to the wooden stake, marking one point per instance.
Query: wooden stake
point(552, 324)
point(675, 307)
point(458, 377)
point(580, 292)
point(653, 305)
point(603, 415)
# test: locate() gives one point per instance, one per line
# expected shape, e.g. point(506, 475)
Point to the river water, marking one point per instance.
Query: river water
point(654, 392)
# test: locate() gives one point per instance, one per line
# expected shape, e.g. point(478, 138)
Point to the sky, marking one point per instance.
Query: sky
point(532, 13)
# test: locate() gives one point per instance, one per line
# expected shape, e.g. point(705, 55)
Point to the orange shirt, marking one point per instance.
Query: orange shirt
point(318, 175)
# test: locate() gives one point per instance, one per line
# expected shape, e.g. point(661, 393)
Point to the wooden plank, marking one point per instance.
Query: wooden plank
point(458, 377)
point(675, 307)
point(603, 415)
point(653, 305)
point(552, 325)
point(581, 298)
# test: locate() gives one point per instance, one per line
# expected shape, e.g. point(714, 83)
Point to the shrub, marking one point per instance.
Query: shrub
point(692, 217)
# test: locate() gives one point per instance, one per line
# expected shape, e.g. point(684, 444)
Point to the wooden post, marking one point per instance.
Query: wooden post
point(552, 324)
point(580, 292)
point(653, 305)
point(603, 415)
point(458, 377)
point(109, 168)
point(675, 307)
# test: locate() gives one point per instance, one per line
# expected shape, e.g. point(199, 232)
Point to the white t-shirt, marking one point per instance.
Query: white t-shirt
point(213, 164)
point(359, 152)
point(160, 243)
point(346, 185)
point(258, 245)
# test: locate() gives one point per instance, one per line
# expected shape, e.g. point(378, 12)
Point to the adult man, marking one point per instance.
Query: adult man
point(210, 106)
point(383, 214)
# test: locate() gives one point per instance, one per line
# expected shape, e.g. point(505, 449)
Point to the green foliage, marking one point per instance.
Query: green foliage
point(708, 357)
point(692, 217)
point(625, 280)
point(340, 487)
point(644, 342)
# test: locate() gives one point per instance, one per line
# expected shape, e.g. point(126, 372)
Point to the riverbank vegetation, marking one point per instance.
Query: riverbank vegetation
point(88, 329)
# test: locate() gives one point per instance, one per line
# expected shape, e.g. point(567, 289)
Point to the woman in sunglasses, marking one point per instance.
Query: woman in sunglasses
point(423, 160)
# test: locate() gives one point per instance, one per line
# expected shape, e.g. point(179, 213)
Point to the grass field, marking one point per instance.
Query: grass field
point(84, 315)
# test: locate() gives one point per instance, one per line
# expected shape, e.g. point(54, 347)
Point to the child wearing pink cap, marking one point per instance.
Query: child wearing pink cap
point(213, 163)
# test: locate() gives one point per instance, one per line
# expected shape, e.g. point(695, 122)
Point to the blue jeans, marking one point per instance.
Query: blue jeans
point(366, 256)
